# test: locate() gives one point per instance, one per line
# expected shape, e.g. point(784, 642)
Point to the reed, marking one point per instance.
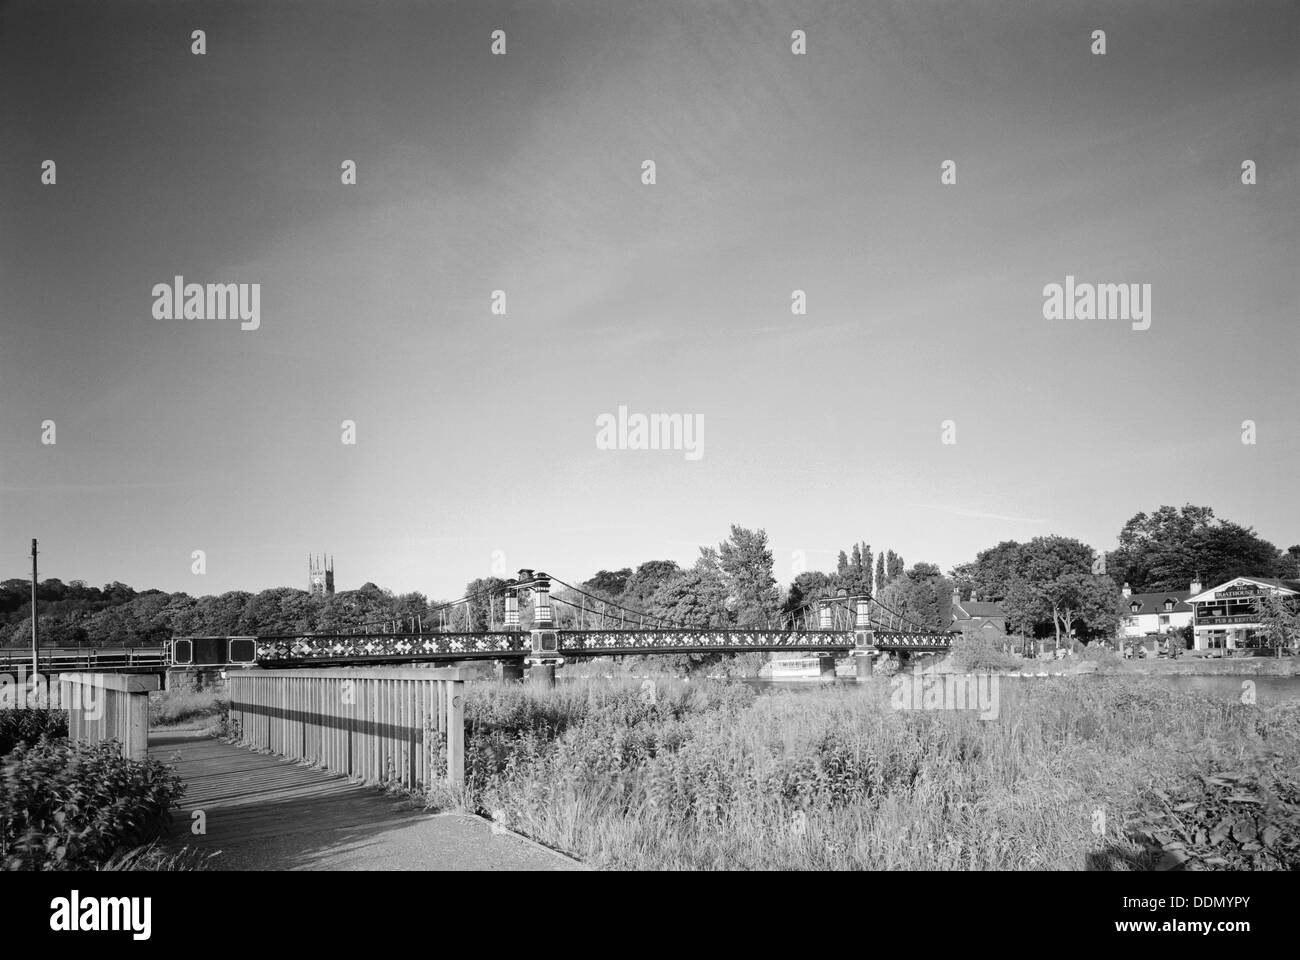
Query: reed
point(1069, 775)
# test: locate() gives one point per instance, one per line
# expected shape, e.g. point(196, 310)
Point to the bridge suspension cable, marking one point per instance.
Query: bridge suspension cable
point(642, 616)
point(898, 622)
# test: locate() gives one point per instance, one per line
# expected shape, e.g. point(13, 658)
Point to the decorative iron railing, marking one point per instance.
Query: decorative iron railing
point(614, 641)
point(379, 646)
point(914, 641)
point(288, 650)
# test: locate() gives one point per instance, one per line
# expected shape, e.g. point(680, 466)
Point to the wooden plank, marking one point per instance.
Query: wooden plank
point(456, 733)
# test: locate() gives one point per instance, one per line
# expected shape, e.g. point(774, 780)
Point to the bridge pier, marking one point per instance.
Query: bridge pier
point(510, 671)
point(541, 675)
point(827, 667)
point(865, 666)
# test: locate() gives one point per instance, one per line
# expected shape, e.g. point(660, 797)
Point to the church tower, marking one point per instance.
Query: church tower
point(320, 577)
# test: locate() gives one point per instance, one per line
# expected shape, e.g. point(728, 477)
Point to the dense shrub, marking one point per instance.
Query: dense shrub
point(26, 726)
point(973, 653)
point(69, 808)
point(1103, 656)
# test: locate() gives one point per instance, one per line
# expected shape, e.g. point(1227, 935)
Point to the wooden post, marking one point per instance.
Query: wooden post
point(36, 644)
point(456, 733)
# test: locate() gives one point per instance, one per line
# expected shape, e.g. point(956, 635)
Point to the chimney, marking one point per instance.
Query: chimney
point(974, 596)
point(1128, 591)
point(1196, 586)
point(956, 596)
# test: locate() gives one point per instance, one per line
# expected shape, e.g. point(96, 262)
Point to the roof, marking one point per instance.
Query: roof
point(967, 609)
point(1292, 586)
point(1155, 602)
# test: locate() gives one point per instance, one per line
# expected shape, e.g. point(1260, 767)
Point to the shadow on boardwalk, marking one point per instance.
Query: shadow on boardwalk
point(267, 813)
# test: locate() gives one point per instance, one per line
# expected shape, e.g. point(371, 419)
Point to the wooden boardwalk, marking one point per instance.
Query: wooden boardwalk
point(263, 812)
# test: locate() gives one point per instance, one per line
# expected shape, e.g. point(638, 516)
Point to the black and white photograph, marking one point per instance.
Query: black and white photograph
point(692, 436)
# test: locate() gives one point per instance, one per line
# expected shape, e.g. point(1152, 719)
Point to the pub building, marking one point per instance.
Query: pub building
point(1225, 617)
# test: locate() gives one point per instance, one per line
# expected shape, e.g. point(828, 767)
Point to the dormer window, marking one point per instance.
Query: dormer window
point(1135, 607)
point(1169, 606)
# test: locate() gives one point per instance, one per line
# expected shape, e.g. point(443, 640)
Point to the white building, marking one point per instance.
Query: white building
point(1225, 617)
point(1153, 613)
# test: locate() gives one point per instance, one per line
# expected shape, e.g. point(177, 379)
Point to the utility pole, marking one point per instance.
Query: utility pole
point(36, 657)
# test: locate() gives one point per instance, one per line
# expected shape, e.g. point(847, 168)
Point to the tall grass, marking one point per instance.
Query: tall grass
point(710, 776)
point(170, 708)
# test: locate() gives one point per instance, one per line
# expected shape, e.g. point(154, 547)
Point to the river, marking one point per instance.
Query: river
point(1268, 690)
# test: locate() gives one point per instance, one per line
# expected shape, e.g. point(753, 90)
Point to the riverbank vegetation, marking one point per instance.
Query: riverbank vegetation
point(27, 725)
point(66, 807)
point(171, 708)
point(1093, 773)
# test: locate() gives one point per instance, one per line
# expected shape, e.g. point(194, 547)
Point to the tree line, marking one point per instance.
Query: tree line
point(1048, 586)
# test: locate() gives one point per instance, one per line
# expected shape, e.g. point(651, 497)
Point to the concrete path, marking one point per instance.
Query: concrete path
point(267, 813)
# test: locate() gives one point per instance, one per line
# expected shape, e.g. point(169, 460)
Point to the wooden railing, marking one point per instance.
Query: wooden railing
point(381, 725)
point(109, 706)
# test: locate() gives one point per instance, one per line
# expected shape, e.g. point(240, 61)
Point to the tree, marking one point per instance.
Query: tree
point(854, 577)
point(880, 574)
point(807, 586)
point(1085, 599)
point(893, 566)
point(1289, 564)
point(1052, 580)
point(862, 585)
point(994, 571)
point(1168, 549)
point(1281, 621)
point(922, 595)
point(745, 563)
point(962, 578)
point(478, 614)
point(278, 610)
point(649, 576)
point(695, 598)
point(610, 583)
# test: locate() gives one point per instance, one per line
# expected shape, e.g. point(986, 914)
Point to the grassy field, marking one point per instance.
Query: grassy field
point(1087, 773)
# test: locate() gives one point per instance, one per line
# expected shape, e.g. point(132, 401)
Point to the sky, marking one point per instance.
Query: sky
point(475, 433)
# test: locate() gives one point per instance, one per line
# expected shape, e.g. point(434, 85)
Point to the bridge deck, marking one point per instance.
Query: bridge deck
point(267, 813)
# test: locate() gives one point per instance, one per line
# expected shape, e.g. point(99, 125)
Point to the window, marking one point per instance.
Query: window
point(1169, 606)
point(1135, 607)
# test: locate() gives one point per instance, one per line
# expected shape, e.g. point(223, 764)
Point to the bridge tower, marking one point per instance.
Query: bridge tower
point(823, 614)
point(545, 649)
point(511, 669)
point(864, 639)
